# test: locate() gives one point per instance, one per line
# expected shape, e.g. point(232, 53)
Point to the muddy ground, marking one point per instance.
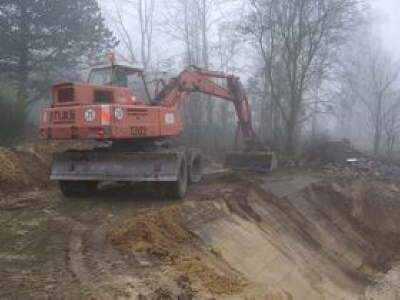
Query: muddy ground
point(294, 234)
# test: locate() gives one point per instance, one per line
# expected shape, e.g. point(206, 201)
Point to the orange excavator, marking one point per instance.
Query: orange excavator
point(139, 131)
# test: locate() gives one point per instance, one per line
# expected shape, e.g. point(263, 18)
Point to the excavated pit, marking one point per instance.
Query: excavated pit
point(313, 239)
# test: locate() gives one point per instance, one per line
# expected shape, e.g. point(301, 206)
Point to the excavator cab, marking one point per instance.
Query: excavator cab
point(121, 76)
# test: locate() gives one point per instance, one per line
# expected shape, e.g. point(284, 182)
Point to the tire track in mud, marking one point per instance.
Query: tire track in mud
point(91, 258)
point(100, 270)
point(67, 254)
point(76, 257)
point(93, 262)
point(71, 259)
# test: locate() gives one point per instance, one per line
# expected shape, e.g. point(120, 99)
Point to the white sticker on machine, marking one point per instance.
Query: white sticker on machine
point(90, 115)
point(169, 118)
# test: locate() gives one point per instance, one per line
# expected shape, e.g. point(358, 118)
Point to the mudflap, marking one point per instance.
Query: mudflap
point(116, 166)
point(262, 162)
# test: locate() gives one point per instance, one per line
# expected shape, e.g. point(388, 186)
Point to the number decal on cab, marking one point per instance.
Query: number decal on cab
point(139, 131)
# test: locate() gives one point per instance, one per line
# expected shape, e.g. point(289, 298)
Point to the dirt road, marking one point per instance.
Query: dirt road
point(57, 248)
point(292, 235)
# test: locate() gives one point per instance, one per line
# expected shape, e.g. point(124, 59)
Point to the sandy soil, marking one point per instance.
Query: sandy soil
point(290, 235)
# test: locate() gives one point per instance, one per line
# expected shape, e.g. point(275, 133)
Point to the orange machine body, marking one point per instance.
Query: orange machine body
point(86, 111)
point(112, 111)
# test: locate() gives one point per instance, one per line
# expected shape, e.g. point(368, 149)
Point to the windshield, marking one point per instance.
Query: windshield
point(100, 77)
point(136, 83)
point(120, 77)
point(108, 76)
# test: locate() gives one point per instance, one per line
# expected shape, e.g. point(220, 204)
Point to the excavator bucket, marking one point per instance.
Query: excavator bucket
point(262, 162)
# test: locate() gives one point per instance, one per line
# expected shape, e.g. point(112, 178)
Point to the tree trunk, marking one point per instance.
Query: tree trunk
point(378, 127)
point(23, 71)
point(203, 12)
point(291, 126)
point(377, 141)
point(290, 138)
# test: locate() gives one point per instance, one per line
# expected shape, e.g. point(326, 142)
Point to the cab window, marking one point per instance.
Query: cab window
point(136, 83)
point(100, 77)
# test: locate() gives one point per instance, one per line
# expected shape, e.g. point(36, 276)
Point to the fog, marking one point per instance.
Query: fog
point(309, 71)
point(388, 23)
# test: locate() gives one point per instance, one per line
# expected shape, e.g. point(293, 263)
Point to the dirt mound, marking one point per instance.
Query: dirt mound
point(22, 169)
point(163, 235)
point(157, 233)
point(27, 167)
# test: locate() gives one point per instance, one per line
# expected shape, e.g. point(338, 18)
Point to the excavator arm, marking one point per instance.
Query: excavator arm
point(194, 79)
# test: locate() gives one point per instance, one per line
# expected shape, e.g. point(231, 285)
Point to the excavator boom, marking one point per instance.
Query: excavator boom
point(193, 79)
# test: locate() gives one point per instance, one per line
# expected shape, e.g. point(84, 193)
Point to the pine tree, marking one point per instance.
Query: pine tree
point(42, 36)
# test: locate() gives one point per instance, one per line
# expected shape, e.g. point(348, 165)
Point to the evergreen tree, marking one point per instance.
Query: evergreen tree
point(41, 37)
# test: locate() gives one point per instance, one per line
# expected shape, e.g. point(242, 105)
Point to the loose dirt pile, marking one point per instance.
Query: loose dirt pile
point(27, 167)
point(163, 235)
point(22, 169)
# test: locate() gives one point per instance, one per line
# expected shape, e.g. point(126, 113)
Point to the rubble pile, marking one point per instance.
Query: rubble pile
point(342, 159)
point(362, 168)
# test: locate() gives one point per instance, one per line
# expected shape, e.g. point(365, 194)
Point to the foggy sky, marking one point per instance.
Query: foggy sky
point(388, 14)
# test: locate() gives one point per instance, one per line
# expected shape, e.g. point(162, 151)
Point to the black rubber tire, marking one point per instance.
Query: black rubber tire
point(72, 189)
point(177, 189)
point(196, 168)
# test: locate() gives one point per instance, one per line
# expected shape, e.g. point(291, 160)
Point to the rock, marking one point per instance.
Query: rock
point(183, 281)
point(394, 189)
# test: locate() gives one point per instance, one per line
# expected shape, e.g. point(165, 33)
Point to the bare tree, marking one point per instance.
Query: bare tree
point(188, 22)
point(125, 23)
point(124, 33)
point(370, 77)
point(392, 132)
point(292, 37)
point(146, 14)
point(226, 49)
